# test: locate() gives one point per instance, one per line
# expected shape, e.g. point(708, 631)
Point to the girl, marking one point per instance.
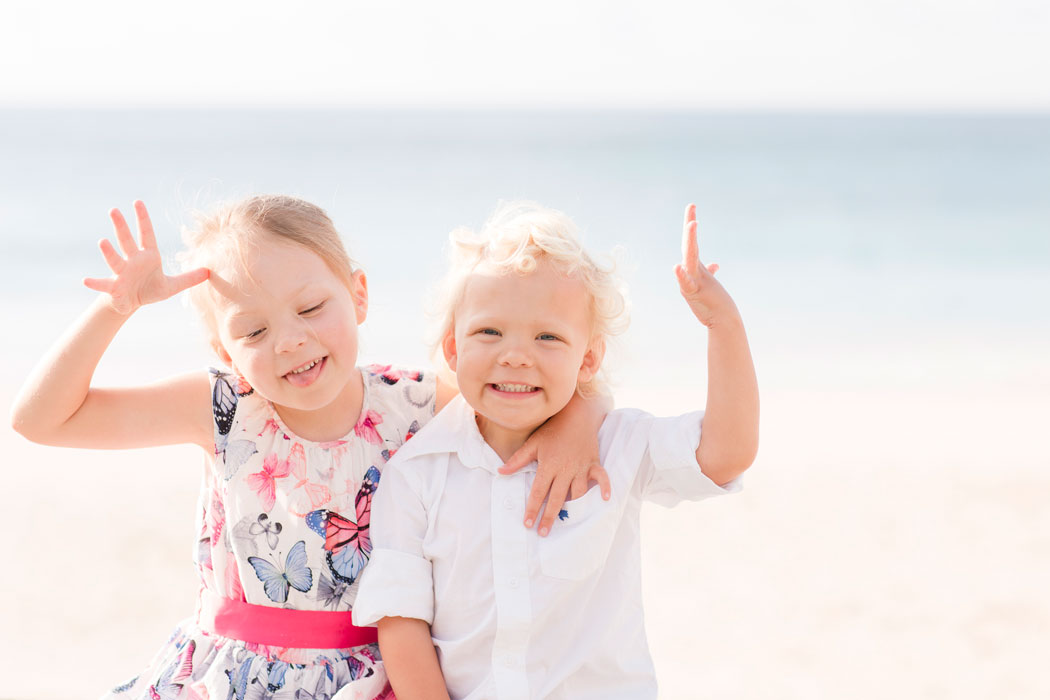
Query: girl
point(492, 611)
point(296, 436)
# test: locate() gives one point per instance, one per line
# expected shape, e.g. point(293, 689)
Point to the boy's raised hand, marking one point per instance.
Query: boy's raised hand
point(138, 276)
point(707, 298)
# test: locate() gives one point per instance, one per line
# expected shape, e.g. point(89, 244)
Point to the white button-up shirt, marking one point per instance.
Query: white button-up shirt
point(512, 614)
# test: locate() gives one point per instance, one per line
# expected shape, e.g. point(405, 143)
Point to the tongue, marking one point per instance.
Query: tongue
point(305, 378)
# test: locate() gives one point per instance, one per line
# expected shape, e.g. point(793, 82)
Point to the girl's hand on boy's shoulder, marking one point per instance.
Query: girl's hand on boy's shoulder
point(707, 298)
point(138, 276)
point(566, 450)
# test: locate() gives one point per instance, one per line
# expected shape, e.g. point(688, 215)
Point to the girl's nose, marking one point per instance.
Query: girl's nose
point(292, 337)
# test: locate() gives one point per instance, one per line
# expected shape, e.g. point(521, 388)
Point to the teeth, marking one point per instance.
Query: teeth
point(517, 388)
point(304, 368)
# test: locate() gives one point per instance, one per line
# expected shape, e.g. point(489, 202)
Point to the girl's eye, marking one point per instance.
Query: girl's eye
point(547, 336)
point(489, 331)
point(312, 309)
point(254, 334)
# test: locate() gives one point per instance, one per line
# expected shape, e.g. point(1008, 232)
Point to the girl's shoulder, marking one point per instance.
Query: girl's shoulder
point(395, 386)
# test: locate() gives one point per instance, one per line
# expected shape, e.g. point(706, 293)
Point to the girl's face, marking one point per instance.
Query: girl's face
point(288, 325)
point(520, 346)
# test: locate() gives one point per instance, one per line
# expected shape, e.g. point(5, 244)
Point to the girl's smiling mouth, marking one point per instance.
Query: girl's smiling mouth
point(306, 374)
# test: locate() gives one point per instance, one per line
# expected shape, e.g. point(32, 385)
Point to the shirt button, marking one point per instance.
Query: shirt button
point(508, 661)
point(508, 502)
point(513, 583)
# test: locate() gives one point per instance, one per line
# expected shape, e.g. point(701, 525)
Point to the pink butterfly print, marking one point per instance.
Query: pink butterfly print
point(270, 427)
point(393, 376)
point(366, 427)
point(265, 482)
point(306, 495)
point(347, 543)
point(234, 589)
point(169, 686)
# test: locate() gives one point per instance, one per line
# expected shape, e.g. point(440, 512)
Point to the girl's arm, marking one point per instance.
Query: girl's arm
point(58, 405)
point(410, 659)
point(729, 439)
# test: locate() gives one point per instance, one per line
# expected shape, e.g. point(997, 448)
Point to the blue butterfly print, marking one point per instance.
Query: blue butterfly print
point(239, 680)
point(295, 573)
point(224, 406)
point(563, 514)
point(275, 675)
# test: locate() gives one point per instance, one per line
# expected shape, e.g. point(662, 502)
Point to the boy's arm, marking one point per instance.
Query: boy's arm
point(410, 659)
point(729, 439)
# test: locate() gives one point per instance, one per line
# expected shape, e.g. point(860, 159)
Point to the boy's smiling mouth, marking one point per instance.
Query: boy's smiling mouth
point(507, 388)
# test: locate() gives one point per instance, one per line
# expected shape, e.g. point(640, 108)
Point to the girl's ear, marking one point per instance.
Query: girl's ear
point(448, 346)
point(216, 345)
point(592, 361)
point(359, 291)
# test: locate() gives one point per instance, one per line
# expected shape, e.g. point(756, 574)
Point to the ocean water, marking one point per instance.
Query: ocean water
point(894, 275)
point(850, 242)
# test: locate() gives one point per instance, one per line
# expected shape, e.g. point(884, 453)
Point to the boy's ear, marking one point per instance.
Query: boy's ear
point(448, 346)
point(592, 360)
point(359, 291)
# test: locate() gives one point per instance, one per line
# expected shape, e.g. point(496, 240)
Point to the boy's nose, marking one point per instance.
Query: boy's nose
point(515, 357)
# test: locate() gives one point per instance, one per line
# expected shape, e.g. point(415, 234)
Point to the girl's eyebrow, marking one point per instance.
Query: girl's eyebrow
point(241, 314)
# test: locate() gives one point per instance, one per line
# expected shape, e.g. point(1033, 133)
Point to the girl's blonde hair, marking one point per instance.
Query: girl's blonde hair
point(233, 228)
point(515, 239)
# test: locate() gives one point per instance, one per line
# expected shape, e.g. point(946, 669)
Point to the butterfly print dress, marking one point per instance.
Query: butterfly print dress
point(284, 522)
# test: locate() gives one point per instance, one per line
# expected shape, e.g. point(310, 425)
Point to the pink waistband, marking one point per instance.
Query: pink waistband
point(279, 627)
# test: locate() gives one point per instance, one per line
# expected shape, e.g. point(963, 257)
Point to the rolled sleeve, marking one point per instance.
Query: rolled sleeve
point(395, 584)
point(398, 580)
point(673, 474)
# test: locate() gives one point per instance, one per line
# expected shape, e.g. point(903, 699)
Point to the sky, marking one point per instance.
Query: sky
point(986, 55)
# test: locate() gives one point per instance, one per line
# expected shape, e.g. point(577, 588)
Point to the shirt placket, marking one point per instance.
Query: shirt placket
point(510, 574)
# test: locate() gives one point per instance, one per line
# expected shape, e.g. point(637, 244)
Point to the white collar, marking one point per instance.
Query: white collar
point(455, 431)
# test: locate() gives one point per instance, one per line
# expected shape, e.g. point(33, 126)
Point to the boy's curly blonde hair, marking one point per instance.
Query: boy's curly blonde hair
point(233, 228)
point(514, 239)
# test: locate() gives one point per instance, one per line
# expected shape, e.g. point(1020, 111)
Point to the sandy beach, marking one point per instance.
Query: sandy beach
point(885, 545)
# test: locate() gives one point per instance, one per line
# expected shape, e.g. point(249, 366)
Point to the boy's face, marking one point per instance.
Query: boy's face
point(520, 346)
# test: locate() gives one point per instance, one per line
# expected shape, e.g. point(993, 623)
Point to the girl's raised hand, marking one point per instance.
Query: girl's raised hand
point(138, 276)
point(707, 298)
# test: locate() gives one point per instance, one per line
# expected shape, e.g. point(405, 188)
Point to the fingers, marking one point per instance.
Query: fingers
point(99, 284)
point(540, 487)
point(598, 473)
point(146, 235)
point(555, 500)
point(113, 259)
point(526, 454)
point(188, 279)
point(120, 227)
point(578, 487)
point(690, 247)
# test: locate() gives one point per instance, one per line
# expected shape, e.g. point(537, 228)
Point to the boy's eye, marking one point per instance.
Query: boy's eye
point(547, 336)
point(489, 331)
point(312, 309)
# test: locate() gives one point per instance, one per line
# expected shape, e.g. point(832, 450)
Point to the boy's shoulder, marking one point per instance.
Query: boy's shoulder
point(442, 435)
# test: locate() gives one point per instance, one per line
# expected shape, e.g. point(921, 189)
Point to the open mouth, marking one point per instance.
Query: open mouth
point(520, 389)
point(307, 373)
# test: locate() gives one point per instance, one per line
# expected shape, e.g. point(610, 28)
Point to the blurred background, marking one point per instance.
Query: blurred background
point(873, 179)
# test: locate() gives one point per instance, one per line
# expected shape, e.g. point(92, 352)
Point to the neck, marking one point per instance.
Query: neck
point(331, 422)
point(503, 440)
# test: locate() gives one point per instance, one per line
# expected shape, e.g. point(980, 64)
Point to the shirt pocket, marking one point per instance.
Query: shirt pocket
point(578, 543)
